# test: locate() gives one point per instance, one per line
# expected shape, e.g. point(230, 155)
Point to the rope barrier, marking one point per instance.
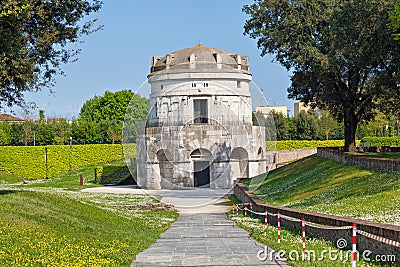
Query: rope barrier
point(315, 225)
point(380, 239)
point(289, 218)
point(325, 227)
point(258, 213)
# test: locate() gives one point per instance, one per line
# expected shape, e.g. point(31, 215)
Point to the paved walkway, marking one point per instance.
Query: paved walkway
point(203, 240)
point(202, 236)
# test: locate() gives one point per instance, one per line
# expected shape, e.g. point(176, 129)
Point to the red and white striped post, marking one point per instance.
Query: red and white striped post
point(279, 227)
point(233, 211)
point(265, 222)
point(237, 210)
point(245, 214)
point(303, 230)
point(354, 247)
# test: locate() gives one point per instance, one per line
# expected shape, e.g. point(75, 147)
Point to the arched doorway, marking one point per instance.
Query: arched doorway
point(202, 159)
point(240, 163)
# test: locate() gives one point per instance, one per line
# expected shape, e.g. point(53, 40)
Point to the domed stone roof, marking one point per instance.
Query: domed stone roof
point(199, 58)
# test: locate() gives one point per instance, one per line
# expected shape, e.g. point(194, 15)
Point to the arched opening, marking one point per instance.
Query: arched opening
point(240, 163)
point(202, 159)
point(166, 169)
point(260, 153)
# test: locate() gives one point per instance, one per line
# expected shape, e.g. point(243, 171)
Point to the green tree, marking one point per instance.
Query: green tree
point(305, 126)
point(62, 130)
point(28, 131)
point(45, 133)
point(5, 133)
point(327, 125)
point(111, 110)
point(41, 115)
point(115, 131)
point(12, 7)
point(394, 23)
point(16, 134)
point(86, 131)
point(34, 43)
point(281, 126)
point(381, 125)
point(341, 53)
point(112, 106)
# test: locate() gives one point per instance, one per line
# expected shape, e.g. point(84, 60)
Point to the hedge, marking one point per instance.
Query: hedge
point(382, 141)
point(30, 161)
point(297, 144)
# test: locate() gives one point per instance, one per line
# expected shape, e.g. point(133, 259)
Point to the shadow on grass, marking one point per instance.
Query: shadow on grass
point(9, 191)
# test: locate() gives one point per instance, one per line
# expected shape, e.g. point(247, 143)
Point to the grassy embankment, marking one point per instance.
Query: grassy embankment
point(323, 185)
point(321, 253)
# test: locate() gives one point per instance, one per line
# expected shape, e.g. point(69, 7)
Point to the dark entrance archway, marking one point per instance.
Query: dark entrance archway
point(202, 175)
point(202, 159)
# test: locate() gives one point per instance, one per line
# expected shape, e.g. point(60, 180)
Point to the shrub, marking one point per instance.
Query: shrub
point(98, 172)
point(382, 141)
point(112, 173)
point(30, 162)
point(298, 144)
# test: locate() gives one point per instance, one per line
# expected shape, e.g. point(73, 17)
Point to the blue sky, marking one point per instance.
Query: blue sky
point(118, 57)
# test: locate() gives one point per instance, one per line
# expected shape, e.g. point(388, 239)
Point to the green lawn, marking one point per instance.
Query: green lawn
point(323, 185)
point(75, 229)
point(6, 178)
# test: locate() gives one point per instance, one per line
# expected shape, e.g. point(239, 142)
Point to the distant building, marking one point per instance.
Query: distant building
point(9, 118)
point(269, 109)
point(299, 106)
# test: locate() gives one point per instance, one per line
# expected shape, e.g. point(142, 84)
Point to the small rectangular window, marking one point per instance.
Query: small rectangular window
point(162, 86)
point(193, 84)
point(200, 111)
point(238, 84)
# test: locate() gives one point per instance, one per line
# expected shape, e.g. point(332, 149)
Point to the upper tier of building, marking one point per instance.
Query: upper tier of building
point(199, 59)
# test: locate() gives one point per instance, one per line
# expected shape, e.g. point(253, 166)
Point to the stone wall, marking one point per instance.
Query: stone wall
point(380, 164)
point(280, 157)
point(389, 231)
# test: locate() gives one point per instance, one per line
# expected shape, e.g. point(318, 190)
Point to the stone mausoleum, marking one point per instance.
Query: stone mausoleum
point(199, 131)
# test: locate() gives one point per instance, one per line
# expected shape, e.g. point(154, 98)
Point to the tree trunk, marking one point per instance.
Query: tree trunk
point(350, 127)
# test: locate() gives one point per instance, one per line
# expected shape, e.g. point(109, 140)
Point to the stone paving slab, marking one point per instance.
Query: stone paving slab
point(203, 240)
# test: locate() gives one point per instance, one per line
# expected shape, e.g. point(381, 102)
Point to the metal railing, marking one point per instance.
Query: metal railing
point(223, 120)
